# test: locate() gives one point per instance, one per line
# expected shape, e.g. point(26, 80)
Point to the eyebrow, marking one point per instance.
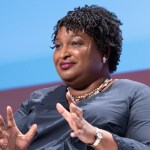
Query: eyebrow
point(73, 35)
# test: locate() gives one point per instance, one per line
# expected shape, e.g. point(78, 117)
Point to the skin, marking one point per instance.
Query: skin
point(80, 65)
point(87, 73)
point(88, 70)
point(84, 130)
point(10, 136)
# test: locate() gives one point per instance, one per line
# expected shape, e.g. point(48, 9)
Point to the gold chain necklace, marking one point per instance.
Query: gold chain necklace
point(94, 92)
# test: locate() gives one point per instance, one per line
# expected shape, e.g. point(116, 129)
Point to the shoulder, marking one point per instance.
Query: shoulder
point(133, 89)
point(129, 88)
point(40, 95)
point(130, 84)
point(39, 99)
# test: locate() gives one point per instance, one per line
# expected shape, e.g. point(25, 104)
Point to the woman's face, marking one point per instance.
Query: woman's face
point(76, 57)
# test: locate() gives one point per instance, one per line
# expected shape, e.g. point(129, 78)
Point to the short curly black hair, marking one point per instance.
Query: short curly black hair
point(101, 25)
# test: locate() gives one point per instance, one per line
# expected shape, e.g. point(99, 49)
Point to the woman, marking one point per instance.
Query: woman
point(91, 111)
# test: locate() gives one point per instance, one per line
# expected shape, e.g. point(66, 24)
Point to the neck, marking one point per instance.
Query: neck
point(102, 86)
point(87, 88)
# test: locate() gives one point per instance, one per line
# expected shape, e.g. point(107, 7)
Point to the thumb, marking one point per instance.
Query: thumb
point(31, 133)
point(70, 98)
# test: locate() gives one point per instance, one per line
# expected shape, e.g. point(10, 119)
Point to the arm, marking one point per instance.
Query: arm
point(26, 107)
point(137, 135)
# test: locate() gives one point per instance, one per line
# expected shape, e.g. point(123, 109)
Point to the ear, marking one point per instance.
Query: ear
point(106, 55)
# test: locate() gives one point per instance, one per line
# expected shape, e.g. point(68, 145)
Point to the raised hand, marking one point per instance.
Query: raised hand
point(81, 128)
point(10, 136)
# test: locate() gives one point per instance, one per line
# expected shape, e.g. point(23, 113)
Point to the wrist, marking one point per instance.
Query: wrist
point(97, 138)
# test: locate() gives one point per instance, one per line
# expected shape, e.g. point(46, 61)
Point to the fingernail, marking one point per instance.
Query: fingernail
point(72, 134)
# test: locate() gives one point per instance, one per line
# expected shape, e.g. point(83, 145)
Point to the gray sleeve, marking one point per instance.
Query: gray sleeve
point(35, 98)
point(137, 136)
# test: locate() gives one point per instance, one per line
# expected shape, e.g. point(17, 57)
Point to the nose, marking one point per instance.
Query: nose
point(64, 53)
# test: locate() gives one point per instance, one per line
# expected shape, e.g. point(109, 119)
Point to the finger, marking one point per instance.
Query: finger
point(63, 111)
point(3, 140)
point(1, 134)
point(31, 133)
point(75, 109)
point(1, 144)
point(76, 133)
point(76, 121)
point(67, 115)
point(2, 123)
point(70, 98)
point(10, 118)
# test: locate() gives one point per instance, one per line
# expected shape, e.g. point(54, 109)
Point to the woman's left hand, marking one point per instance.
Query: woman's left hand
point(81, 128)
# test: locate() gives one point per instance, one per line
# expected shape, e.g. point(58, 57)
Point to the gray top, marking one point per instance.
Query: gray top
point(123, 109)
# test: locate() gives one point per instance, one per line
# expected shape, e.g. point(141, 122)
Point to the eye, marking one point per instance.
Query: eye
point(76, 43)
point(57, 46)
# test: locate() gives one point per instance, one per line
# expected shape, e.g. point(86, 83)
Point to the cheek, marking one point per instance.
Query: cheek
point(94, 61)
point(55, 58)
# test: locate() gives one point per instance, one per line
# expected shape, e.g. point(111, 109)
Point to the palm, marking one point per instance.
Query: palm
point(81, 128)
point(11, 137)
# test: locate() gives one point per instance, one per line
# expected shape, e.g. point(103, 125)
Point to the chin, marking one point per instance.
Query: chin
point(68, 79)
point(67, 76)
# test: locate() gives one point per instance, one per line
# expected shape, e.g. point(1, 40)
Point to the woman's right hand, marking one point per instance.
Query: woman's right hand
point(10, 136)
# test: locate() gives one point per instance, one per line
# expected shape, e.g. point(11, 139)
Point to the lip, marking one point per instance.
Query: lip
point(66, 65)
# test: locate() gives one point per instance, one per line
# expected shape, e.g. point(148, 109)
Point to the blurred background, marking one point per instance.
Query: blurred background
point(26, 29)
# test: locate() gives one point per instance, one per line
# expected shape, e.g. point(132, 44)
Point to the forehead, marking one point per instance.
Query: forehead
point(64, 33)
